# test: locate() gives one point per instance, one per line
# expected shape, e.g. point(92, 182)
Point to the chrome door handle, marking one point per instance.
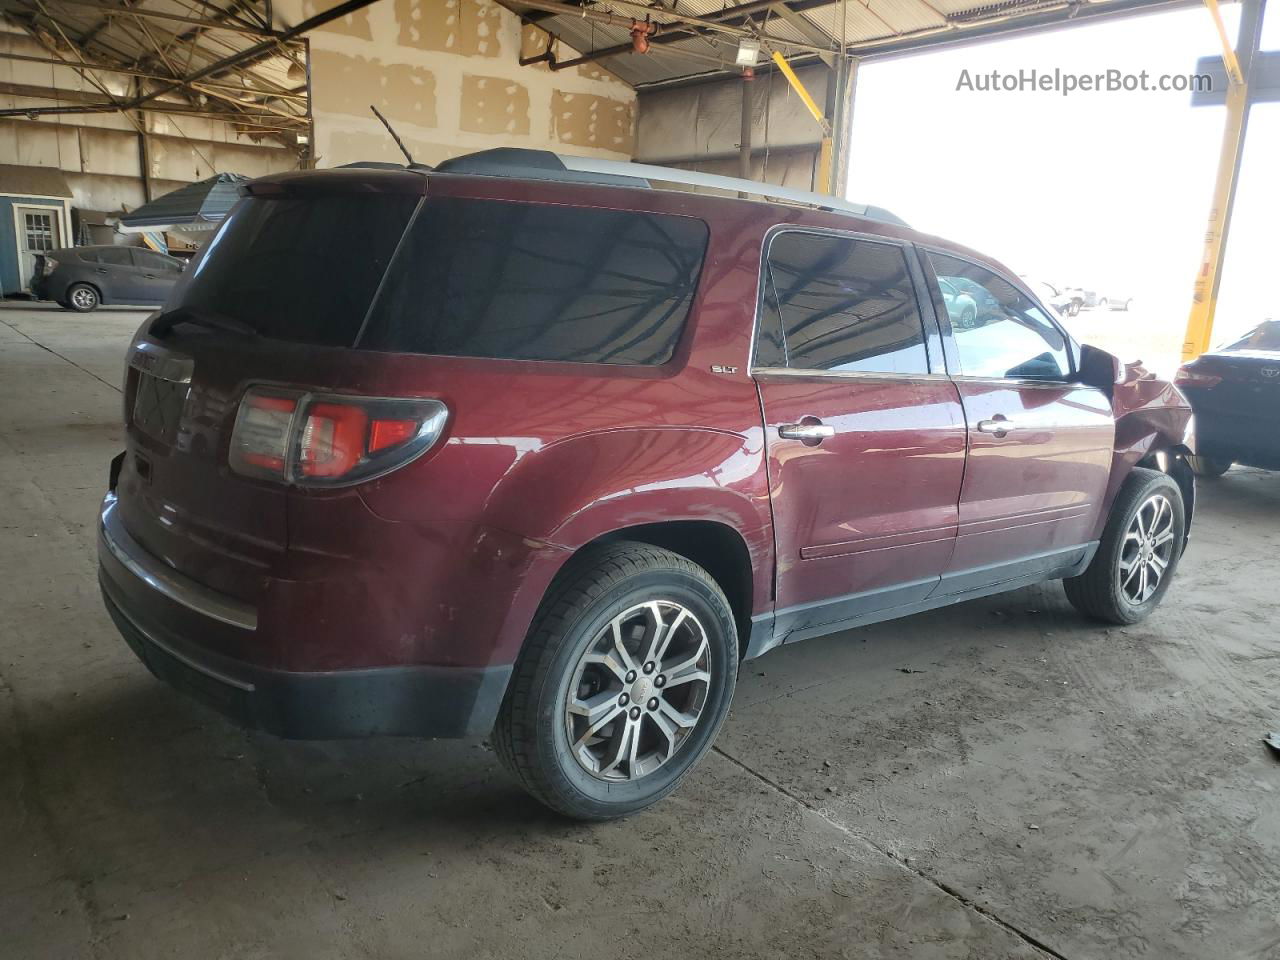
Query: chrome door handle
point(810, 432)
point(998, 427)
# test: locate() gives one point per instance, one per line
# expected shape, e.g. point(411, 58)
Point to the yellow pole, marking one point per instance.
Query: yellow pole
point(825, 151)
point(1204, 298)
point(800, 90)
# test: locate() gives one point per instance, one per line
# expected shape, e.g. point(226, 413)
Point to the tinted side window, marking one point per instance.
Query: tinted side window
point(844, 305)
point(116, 256)
point(524, 281)
point(153, 261)
point(89, 256)
point(999, 332)
point(298, 268)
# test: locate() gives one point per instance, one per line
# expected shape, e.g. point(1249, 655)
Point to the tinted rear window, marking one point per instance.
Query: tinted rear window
point(1265, 336)
point(523, 281)
point(298, 268)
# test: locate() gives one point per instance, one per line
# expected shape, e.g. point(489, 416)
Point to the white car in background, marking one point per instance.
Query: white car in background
point(1114, 301)
point(1065, 304)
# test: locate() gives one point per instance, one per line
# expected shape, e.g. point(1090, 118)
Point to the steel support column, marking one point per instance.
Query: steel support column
point(1204, 299)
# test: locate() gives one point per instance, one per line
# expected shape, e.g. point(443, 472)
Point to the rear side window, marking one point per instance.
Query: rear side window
point(1000, 333)
point(116, 256)
point(840, 304)
point(523, 281)
point(155, 261)
point(301, 268)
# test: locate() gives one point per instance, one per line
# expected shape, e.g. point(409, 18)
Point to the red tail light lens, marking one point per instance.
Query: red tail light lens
point(326, 440)
point(1186, 377)
point(333, 439)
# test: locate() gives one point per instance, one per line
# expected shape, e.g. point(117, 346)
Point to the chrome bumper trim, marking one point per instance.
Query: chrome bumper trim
point(162, 578)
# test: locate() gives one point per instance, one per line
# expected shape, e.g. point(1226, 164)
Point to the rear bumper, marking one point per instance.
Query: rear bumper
point(424, 701)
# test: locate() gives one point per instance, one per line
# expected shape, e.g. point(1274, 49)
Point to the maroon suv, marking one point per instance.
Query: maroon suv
point(521, 448)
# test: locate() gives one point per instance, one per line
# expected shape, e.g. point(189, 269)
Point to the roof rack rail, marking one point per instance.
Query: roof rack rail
point(547, 165)
point(533, 165)
point(730, 184)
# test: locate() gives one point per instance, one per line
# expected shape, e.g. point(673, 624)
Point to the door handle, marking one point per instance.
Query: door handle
point(814, 432)
point(101, 270)
point(1000, 426)
point(148, 276)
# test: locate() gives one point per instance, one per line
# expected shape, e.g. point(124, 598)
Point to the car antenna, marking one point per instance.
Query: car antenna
point(394, 135)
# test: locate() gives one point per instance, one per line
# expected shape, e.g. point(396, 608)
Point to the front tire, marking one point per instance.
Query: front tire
point(625, 678)
point(83, 298)
point(1139, 552)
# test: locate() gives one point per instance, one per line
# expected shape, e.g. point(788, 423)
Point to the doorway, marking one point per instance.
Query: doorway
point(39, 230)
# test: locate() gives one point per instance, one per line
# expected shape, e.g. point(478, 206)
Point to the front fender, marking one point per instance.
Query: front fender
point(1151, 416)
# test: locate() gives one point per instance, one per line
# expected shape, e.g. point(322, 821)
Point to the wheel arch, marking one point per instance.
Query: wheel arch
point(717, 547)
point(1171, 459)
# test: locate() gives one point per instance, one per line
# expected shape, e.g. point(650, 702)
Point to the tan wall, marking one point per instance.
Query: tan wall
point(99, 152)
point(446, 73)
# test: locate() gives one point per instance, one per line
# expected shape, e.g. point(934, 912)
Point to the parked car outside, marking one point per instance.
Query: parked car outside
point(1114, 301)
point(1064, 303)
point(1235, 393)
point(1088, 299)
point(961, 308)
point(986, 307)
point(82, 278)
point(544, 459)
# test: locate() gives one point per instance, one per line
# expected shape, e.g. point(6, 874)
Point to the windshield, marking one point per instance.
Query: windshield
point(297, 268)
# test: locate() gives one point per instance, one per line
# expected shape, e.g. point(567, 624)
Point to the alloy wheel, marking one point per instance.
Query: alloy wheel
point(1147, 549)
point(84, 298)
point(638, 691)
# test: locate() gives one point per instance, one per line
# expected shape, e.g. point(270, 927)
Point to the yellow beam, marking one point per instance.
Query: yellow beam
point(1204, 297)
point(825, 151)
point(802, 92)
point(1229, 59)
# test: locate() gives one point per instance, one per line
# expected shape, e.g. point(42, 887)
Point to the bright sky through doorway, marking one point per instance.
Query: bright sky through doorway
point(1101, 190)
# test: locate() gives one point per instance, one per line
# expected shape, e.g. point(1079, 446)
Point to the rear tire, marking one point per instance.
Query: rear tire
point(1209, 468)
point(83, 298)
point(1139, 552)
point(595, 732)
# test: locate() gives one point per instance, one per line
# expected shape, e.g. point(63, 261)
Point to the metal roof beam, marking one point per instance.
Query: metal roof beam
point(136, 12)
point(143, 75)
point(737, 16)
point(242, 58)
point(808, 29)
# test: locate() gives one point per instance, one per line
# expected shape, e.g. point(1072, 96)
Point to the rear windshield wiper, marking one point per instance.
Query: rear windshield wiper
point(167, 321)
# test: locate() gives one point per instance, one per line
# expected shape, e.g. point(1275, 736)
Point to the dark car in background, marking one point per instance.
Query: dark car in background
point(1235, 393)
point(82, 278)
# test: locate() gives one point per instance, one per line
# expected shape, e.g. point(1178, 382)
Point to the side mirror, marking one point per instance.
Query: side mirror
point(1100, 369)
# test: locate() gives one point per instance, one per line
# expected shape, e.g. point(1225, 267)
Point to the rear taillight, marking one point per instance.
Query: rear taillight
point(1186, 377)
point(48, 266)
point(327, 440)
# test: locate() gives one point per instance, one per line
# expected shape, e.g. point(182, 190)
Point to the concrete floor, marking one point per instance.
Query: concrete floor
point(1042, 786)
